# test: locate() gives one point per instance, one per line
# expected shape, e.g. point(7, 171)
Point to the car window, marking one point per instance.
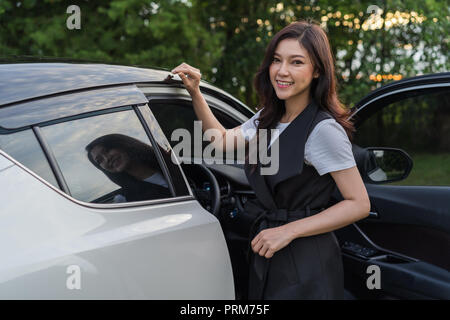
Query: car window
point(172, 115)
point(24, 147)
point(420, 125)
point(107, 158)
point(173, 166)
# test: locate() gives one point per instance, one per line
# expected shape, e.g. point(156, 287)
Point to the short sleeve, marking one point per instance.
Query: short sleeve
point(328, 148)
point(248, 128)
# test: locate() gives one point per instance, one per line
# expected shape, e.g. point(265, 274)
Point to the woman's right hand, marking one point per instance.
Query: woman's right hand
point(190, 76)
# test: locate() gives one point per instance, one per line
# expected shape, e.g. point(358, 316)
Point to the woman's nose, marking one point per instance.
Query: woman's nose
point(283, 69)
point(108, 157)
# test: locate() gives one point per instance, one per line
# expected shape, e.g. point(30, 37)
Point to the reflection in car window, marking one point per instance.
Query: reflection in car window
point(24, 147)
point(107, 158)
point(420, 125)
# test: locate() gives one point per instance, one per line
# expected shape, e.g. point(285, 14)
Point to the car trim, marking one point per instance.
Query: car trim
point(48, 152)
point(161, 160)
point(178, 165)
point(65, 106)
point(205, 87)
point(153, 92)
point(96, 205)
point(366, 238)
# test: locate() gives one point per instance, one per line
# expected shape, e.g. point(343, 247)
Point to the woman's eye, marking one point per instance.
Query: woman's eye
point(276, 60)
point(297, 62)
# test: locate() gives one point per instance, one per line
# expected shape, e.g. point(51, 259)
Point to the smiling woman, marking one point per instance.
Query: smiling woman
point(295, 253)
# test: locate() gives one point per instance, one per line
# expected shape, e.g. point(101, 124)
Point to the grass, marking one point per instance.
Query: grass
point(428, 170)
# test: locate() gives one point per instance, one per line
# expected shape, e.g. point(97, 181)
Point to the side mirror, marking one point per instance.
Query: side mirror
point(384, 165)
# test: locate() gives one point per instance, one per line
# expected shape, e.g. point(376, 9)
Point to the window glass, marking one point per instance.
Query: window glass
point(107, 158)
point(24, 147)
point(178, 181)
point(419, 125)
point(172, 115)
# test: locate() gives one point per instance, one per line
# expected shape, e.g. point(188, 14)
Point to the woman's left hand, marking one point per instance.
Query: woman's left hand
point(269, 241)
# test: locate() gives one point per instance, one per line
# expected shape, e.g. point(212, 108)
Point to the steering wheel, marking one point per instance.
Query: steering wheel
point(209, 197)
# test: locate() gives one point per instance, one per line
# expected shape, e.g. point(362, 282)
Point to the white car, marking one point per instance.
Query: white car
point(67, 230)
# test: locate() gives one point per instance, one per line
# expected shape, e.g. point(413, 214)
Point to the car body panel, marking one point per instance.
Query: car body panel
point(144, 252)
point(5, 163)
point(60, 106)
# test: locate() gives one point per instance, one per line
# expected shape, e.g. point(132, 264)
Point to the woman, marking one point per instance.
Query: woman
point(295, 253)
point(130, 164)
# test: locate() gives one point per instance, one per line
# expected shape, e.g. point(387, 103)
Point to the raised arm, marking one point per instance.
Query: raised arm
point(191, 79)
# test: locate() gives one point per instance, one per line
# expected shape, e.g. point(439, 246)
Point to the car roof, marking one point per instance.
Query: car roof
point(26, 81)
point(20, 82)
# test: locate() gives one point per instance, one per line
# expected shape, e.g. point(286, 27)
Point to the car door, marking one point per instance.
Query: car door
point(408, 233)
point(72, 230)
point(165, 103)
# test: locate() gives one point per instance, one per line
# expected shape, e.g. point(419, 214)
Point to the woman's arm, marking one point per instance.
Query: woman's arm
point(231, 138)
point(355, 206)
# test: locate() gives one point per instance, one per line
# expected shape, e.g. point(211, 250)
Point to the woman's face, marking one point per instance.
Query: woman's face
point(291, 71)
point(112, 160)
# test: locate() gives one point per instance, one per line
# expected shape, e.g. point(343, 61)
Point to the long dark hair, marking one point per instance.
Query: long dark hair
point(323, 89)
point(136, 150)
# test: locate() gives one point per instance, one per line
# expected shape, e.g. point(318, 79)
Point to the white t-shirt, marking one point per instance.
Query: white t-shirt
point(327, 148)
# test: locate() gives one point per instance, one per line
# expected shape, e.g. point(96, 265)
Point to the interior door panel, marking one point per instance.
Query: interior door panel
point(408, 234)
point(408, 239)
point(414, 221)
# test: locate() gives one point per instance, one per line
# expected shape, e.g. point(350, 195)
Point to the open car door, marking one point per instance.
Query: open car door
point(402, 149)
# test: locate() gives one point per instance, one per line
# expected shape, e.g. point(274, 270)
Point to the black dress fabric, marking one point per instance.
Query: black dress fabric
point(136, 190)
point(309, 267)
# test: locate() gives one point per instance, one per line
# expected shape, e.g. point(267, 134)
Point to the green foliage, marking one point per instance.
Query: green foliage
point(428, 170)
point(416, 124)
point(226, 39)
point(158, 33)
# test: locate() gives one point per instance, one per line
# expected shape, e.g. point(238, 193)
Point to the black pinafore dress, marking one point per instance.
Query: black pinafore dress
point(309, 267)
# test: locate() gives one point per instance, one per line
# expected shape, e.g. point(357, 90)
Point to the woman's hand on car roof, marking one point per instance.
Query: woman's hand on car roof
point(190, 76)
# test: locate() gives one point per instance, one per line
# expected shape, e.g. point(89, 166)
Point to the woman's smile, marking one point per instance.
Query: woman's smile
point(284, 84)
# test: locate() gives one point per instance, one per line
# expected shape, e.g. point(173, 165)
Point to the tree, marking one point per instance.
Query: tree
point(226, 39)
point(132, 32)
